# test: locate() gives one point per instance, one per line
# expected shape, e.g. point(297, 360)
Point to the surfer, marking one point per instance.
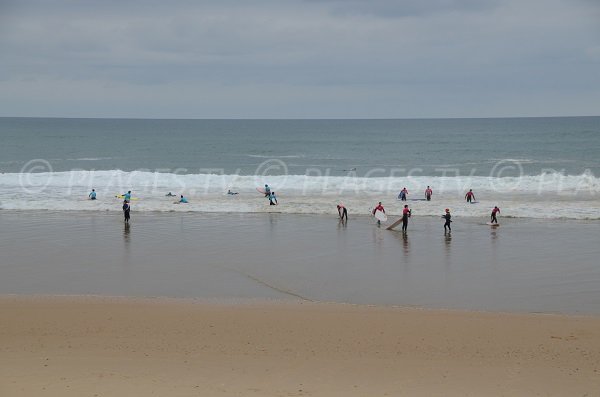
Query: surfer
point(267, 191)
point(378, 208)
point(272, 199)
point(127, 196)
point(448, 218)
point(495, 210)
point(183, 200)
point(170, 194)
point(342, 211)
point(92, 195)
point(231, 193)
point(403, 194)
point(405, 215)
point(126, 209)
point(428, 193)
point(470, 196)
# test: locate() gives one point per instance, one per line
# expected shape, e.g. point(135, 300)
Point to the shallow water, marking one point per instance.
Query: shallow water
point(521, 266)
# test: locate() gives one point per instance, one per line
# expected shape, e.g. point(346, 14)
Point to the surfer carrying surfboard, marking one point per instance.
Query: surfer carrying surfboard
point(378, 208)
point(127, 196)
point(405, 215)
point(448, 218)
point(470, 196)
point(495, 210)
point(428, 193)
point(272, 199)
point(267, 191)
point(403, 194)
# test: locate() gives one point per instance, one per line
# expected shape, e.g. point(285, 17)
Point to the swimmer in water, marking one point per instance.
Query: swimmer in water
point(92, 195)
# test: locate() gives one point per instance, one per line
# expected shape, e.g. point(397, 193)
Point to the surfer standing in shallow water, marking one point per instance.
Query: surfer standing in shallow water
point(405, 215)
point(493, 218)
point(378, 208)
point(126, 210)
point(448, 218)
point(342, 212)
point(403, 194)
point(470, 196)
point(428, 193)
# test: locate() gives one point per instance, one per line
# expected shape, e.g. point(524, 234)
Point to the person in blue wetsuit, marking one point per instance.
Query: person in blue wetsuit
point(92, 195)
point(272, 199)
point(127, 196)
point(183, 200)
point(267, 191)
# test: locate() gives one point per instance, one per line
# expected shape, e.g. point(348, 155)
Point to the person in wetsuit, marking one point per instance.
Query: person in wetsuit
point(405, 215)
point(92, 194)
point(267, 192)
point(470, 196)
point(126, 209)
point(448, 218)
point(428, 193)
point(403, 194)
point(272, 199)
point(495, 210)
point(342, 211)
point(378, 208)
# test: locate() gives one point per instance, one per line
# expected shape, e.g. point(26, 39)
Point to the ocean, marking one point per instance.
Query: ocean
point(545, 168)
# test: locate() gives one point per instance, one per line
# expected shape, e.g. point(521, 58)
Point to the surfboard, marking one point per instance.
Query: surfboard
point(492, 224)
point(261, 190)
point(121, 196)
point(381, 216)
point(393, 225)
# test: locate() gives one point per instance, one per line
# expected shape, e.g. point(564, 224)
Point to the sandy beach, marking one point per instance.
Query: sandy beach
point(100, 346)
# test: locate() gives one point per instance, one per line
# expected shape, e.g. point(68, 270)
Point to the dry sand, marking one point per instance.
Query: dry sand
point(93, 346)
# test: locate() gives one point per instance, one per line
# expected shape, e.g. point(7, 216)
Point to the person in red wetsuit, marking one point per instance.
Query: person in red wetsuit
point(342, 211)
point(378, 208)
point(403, 194)
point(495, 210)
point(428, 193)
point(405, 215)
point(470, 196)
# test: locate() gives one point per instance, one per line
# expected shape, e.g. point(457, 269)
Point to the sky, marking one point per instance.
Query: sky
point(299, 59)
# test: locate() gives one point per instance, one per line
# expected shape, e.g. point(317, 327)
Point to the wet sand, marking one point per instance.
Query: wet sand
point(523, 266)
point(95, 346)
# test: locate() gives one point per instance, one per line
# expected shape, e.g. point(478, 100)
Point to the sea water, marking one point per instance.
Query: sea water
point(546, 168)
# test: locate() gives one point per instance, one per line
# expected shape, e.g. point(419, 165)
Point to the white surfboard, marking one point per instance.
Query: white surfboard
point(492, 224)
point(381, 216)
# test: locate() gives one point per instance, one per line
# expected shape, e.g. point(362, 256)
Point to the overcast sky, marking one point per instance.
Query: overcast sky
point(299, 59)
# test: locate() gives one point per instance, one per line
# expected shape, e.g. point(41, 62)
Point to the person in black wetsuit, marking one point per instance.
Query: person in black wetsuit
point(342, 211)
point(405, 215)
point(126, 209)
point(448, 218)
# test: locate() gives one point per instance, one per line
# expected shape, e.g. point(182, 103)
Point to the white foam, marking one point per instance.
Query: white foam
point(546, 196)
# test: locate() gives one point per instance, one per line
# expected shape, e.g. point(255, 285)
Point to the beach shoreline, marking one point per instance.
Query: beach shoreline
point(86, 345)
